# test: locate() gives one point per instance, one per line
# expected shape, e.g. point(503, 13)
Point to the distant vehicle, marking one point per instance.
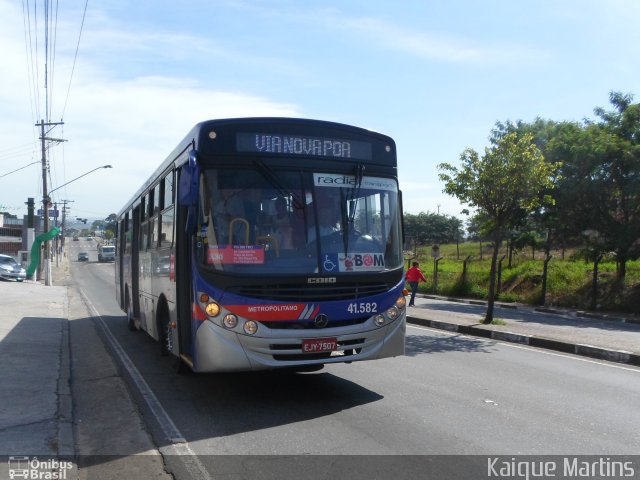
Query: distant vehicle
point(75, 238)
point(83, 257)
point(11, 270)
point(89, 238)
point(106, 253)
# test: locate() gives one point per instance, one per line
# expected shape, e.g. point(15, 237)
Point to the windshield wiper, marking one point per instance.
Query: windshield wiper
point(356, 192)
point(348, 216)
point(271, 177)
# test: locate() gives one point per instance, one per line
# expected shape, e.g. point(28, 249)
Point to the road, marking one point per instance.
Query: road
point(450, 394)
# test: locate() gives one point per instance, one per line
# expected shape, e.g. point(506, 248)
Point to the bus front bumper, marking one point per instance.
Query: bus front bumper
point(222, 350)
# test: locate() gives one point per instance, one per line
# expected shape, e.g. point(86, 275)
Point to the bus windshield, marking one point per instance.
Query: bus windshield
point(284, 221)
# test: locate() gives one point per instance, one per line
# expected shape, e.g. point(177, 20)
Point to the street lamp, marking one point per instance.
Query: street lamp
point(83, 175)
point(46, 198)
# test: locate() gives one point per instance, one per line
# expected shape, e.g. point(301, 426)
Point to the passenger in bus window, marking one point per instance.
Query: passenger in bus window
point(281, 224)
point(227, 208)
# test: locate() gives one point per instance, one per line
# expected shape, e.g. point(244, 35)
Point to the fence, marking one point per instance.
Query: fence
point(569, 283)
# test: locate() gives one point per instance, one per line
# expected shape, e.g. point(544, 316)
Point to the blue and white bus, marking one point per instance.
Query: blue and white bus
point(263, 243)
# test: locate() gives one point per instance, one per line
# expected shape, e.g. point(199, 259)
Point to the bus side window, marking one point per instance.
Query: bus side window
point(144, 225)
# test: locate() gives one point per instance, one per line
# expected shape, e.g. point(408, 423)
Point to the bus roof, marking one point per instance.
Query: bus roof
point(198, 138)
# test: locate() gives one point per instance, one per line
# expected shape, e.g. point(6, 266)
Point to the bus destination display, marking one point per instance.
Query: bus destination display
point(303, 145)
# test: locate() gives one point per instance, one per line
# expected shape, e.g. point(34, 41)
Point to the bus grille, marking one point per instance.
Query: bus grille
point(311, 293)
point(310, 325)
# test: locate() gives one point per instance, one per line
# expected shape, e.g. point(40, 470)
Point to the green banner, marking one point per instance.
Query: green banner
point(35, 249)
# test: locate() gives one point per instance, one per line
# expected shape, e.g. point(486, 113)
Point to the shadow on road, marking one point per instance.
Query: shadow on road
point(210, 406)
point(425, 344)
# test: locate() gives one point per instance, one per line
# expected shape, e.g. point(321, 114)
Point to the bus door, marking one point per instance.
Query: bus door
point(186, 200)
point(119, 266)
point(183, 280)
point(135, 263)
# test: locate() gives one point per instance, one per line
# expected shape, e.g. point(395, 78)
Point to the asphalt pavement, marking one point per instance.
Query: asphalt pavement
point(63, 399)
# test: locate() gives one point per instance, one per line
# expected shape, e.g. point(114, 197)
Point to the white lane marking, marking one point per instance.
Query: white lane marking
point(531, 349)
point(179, 444)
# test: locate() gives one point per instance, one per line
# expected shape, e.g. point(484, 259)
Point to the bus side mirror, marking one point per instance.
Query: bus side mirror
point(188, 186)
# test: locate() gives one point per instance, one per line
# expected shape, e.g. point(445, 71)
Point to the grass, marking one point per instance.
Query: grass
point(569, 282)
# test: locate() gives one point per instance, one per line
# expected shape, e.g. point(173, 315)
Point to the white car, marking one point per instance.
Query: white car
point(10, 269)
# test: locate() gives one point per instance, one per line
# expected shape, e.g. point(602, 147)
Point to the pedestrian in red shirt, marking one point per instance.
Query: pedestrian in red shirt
point(413, 277)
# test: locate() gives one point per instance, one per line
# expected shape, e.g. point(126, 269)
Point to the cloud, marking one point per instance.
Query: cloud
point(441, 48)
point(131, 123)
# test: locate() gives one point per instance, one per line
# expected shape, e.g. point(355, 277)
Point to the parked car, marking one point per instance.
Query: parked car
point(10, 269)
point(83, 257)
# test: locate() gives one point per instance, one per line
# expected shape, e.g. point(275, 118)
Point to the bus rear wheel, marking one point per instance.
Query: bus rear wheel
point(164, 330)
point(165, 338)
point(131, 321)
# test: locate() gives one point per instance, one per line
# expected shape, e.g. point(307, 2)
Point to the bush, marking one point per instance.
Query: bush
point(569, 282)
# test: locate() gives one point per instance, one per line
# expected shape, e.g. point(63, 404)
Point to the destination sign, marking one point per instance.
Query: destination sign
point(303, 145)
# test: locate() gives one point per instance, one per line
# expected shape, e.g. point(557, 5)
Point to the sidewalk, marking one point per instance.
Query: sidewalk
point(606, 337)
point(64, 408)
point(35, 398)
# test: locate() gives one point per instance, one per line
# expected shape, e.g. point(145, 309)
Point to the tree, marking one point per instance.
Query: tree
point(556, 141)
point(110, 226)
point(511, 177)
point(616, 175)
point(429, 228)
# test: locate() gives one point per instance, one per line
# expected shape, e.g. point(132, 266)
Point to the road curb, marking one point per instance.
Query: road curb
point(617, 356)
point(66, 439)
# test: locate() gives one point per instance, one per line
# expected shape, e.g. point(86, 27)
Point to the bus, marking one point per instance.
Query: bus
point(267, 243)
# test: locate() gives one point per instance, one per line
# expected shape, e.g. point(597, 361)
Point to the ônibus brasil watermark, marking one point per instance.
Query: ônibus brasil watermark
point(34, 469)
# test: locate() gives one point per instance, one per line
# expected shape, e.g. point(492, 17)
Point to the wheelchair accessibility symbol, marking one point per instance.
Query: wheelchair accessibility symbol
point(328, 264)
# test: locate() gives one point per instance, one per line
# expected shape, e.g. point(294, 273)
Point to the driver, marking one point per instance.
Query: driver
point(328, 215)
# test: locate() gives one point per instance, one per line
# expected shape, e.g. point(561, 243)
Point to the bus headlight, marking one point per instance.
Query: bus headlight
point(212, 309)
point(401, 302)
point(392, 313)
point(379, 320)
point(230, 320)
point(250, 327)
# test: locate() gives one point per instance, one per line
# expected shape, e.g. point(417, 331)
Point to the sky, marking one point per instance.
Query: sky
point(435, 75)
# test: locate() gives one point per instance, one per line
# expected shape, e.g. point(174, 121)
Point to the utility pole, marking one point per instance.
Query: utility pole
point(64, 220)
point(45, 196)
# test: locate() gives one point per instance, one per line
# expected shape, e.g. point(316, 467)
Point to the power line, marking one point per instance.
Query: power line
point(49, 56)
point(17, 169)
point(55, 41)
point(75, 57)
point(17, 151)
point(32, 64)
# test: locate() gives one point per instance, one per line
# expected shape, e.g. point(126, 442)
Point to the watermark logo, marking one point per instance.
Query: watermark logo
point(34, 469)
